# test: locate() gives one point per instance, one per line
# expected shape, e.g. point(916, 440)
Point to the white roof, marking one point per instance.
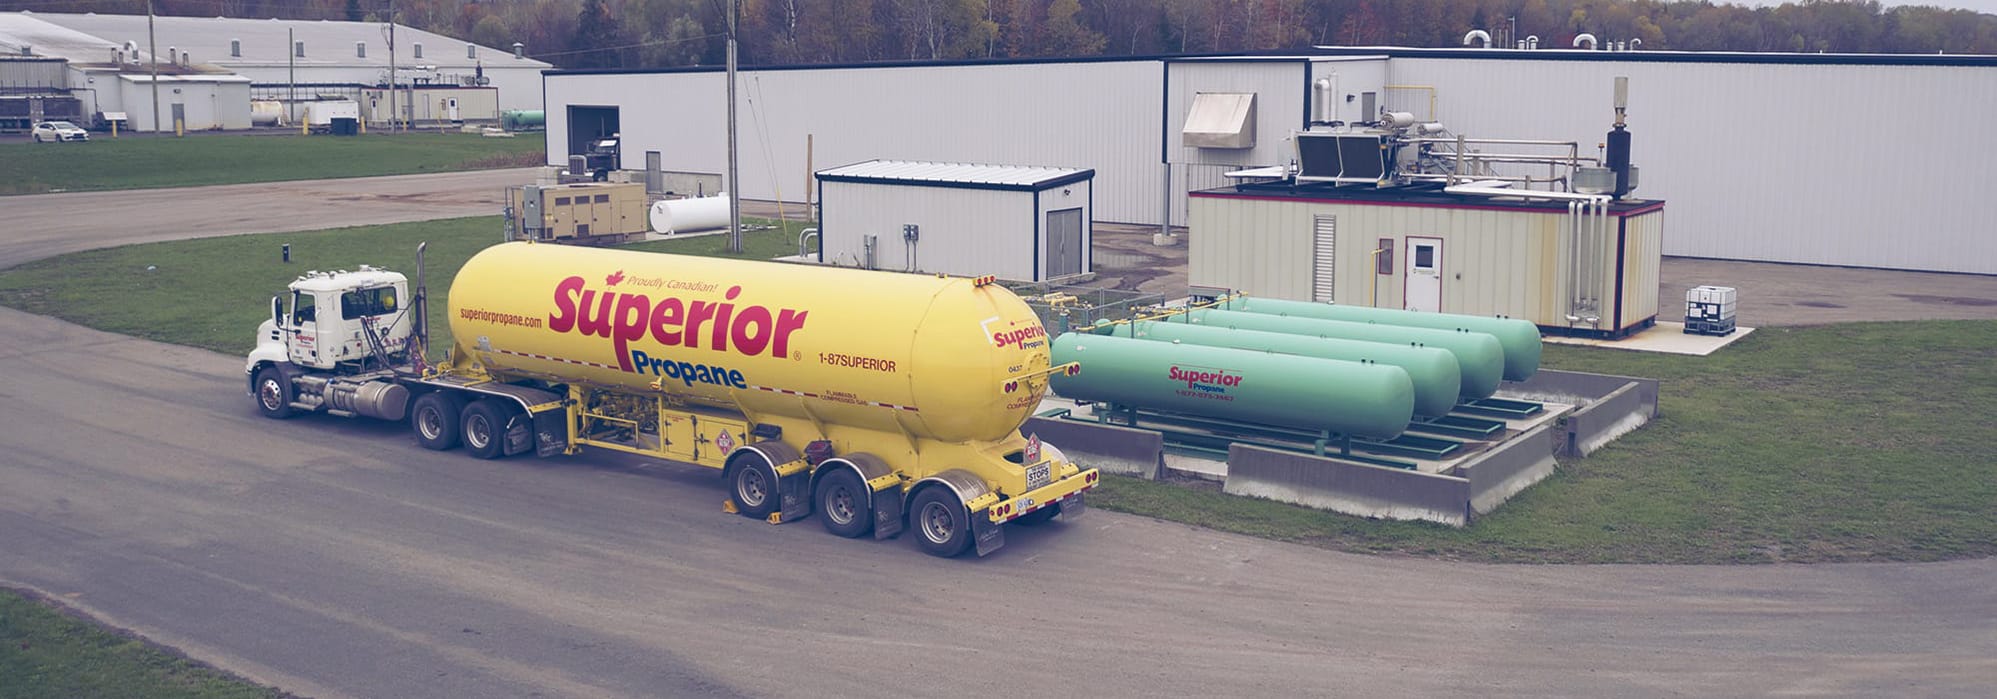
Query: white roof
point(264, 41)
point(1008, 176)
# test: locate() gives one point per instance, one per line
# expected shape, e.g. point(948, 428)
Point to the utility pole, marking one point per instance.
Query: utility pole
point(291, 73)
point(734, 179)
point(392, 114)
point(152, 47)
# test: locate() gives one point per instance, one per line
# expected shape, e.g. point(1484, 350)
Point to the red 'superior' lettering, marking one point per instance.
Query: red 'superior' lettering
point(673, 322)
point(1011, 338)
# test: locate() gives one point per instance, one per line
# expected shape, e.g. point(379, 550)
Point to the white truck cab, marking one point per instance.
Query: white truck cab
point(332, 334)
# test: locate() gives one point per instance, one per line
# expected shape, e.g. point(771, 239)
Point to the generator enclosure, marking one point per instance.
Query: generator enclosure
point(1567, 266)
point(1020, 223)
point(582, 212)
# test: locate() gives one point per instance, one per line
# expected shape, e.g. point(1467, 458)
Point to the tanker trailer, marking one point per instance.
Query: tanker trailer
point(1519, 338)
point(879, 400)
point(1361, 400)
point(1436, 377)
point(1479, 357)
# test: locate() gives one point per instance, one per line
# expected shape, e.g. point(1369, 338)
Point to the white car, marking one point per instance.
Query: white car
point(59, 131)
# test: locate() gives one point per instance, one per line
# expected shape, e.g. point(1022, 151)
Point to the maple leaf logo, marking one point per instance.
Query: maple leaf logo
point(614, 278)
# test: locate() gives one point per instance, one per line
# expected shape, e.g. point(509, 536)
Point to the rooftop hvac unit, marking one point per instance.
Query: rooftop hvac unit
point(1352, 158)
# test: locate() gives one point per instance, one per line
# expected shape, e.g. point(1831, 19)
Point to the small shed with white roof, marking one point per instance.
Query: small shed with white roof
point(1020, 223)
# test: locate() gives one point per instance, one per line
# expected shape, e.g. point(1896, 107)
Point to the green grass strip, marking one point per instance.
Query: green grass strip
point(46, 653)
point(137, 162)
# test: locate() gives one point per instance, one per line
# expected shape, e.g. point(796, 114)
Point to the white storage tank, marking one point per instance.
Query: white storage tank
point(1023, 223)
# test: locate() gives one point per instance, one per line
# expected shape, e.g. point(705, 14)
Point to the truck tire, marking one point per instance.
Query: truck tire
point(942, 525)
point(484, 429)
point(845, 505)
point(753, 486)
point(273, 394)
point(435, 419)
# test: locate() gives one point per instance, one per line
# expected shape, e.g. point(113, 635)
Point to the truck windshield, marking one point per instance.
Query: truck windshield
point(367, 302)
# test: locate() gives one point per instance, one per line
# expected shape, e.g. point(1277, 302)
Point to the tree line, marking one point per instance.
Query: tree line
point(667, 33)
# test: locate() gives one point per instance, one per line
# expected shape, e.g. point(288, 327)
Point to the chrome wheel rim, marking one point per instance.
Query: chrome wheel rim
point(937, 525)
point(839, 505)
point(271, 394)
point(751, 487)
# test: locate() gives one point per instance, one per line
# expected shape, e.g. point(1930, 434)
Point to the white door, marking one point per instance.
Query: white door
point(304, 329)
point(1424, 275)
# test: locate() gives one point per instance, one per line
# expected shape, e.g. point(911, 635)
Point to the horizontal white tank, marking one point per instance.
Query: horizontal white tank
point(695, 214)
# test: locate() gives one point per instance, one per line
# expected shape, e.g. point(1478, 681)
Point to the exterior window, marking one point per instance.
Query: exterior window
point(302, 310)
point(367, 302)
point(602, 198)
point(1425, 257)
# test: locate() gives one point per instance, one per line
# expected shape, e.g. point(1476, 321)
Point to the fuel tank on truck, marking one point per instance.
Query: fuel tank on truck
point(1519, 338)
point(1434, 372)
point(934, 356)
point(1363, 400)
point(1479, 357)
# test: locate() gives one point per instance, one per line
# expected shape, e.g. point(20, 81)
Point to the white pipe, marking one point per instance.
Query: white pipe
point(1477, 35)
point(1584, 36)
point(1532, 42)
point(1634, 44)
point(1527, 194)
point(1573, 230)
point(1324, 100)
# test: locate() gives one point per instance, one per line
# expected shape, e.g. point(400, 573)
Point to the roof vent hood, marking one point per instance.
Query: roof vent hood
point(1221, 120)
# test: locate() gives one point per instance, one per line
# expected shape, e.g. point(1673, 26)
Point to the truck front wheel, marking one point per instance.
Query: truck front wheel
point(754, 485)
point(942, 523)
point(273, 394)
point(845, 505)
point(435, 417)
point(484, 430)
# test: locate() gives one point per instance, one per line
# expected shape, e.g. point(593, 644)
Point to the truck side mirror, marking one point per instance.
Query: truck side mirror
point(277, 310)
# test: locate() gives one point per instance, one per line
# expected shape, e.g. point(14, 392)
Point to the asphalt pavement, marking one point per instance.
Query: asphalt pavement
point(335, 557)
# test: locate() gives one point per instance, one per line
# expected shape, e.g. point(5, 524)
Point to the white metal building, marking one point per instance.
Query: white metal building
point(308, 53)
point(1808, 158)
point(1017, 222)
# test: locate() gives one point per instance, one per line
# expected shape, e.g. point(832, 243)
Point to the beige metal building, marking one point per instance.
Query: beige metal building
point(1554, 259)
point(1020, 223)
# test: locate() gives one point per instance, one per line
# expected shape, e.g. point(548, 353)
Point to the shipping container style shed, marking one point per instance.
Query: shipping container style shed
point(1020, 223)
point(1556, 259)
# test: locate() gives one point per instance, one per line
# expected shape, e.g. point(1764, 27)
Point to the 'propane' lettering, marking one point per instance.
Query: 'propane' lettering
point(672, 322)
point(687, 372)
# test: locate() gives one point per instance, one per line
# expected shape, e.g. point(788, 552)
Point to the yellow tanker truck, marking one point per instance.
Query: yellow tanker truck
point(880, 401)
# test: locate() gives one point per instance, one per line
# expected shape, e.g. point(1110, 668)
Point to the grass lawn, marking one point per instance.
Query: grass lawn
point(137, 162)
point(1857, 442)
point(46, 653)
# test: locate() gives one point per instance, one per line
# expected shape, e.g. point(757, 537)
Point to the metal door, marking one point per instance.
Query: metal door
point(1324, 254)
point(179, 115)
point(1064, 243)
point(1423, 290)
point(304, 344)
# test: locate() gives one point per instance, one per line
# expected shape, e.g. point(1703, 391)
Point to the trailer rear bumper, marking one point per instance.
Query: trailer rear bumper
point(1060, 493)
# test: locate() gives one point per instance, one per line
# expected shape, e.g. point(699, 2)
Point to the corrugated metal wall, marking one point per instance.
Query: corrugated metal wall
point(1858, 165)
point(1101, 115)
point(1642, 248)
point(19, 76)
point(1493, 262)
point(963, 232)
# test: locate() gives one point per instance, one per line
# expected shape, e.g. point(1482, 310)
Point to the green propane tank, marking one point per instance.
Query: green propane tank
point(1433, 370)
point(1362, 400)
point(1519, 338)
point(1478, 356)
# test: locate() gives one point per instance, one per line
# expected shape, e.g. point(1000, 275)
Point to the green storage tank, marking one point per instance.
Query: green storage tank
point(522, 119)
point(1362, 400)
point(1519, 338)
point(1478, 356)
point(1437, 380)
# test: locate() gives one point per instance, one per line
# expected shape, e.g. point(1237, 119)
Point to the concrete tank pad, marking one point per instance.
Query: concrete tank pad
point(1665, 336)
point(1582, 412)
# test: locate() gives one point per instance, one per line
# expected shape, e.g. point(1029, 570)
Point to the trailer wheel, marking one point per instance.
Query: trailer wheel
point(435, 417)
point(484, 430)
point(754, 485)
point(273, 394)
point(942, 523)
point(845, 505)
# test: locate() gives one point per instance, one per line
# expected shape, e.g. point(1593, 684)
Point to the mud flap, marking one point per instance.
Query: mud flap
point(551, 432)
point(988, 536)
point(519, 436)
point(794, 493)
point(1073, 507)
point(887, 513)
